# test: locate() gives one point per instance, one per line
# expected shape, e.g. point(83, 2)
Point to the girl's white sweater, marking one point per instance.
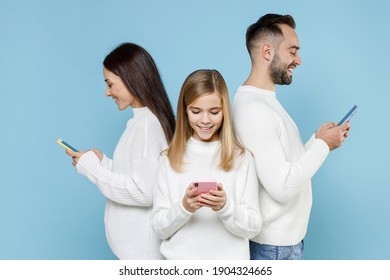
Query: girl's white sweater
point(206, 234)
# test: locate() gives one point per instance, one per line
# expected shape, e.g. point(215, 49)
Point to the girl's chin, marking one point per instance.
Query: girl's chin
point(206, 137)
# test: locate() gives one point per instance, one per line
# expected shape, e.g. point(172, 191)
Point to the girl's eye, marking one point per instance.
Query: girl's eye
point(195, 112)
point(215, 112)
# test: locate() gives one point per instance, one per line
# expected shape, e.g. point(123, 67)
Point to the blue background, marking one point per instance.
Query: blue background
point(52, 86)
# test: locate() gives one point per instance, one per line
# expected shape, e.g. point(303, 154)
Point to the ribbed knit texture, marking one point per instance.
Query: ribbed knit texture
point(127, 182)
point(284, 164)
point(206, 234)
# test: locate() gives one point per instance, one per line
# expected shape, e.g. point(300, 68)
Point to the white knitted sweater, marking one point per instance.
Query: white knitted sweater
point(127, 182)
point(206, 234)
point(284, 164)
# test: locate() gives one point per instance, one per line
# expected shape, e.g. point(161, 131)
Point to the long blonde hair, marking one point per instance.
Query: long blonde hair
point(198, 84)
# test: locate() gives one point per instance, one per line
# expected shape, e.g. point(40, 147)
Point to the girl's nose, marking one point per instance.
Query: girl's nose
point(205, 118)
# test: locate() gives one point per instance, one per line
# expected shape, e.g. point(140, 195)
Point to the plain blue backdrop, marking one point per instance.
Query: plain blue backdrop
point(52, 86)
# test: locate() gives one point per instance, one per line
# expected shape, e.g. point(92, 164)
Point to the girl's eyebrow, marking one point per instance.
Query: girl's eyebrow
point(194, 107)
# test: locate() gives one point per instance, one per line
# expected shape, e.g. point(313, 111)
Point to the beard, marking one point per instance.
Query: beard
point(278, 72)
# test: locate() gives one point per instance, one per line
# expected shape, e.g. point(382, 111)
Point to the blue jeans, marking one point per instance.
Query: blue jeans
point(269, 252)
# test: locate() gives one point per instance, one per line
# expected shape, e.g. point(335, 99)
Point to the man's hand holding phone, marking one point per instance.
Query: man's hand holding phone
point(333, 134)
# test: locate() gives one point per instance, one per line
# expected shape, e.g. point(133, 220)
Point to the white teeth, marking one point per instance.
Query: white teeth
point(205, 129)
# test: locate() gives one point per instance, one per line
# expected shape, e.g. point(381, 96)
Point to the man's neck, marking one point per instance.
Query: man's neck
point(260, 79)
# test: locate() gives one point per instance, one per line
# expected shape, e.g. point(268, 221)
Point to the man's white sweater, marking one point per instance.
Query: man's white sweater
point(127, 182)
point(284, 164)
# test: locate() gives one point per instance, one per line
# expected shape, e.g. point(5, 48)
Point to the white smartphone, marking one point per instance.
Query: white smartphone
point(349, 115)
point(204, 186)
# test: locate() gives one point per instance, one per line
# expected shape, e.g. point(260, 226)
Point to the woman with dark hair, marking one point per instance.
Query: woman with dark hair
point(127, 180)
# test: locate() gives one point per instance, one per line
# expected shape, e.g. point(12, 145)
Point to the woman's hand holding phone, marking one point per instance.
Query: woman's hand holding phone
point(98, 153)
point(215, 199)
point(75, 156)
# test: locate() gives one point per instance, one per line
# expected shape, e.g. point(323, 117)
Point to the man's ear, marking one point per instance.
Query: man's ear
point(267, 52)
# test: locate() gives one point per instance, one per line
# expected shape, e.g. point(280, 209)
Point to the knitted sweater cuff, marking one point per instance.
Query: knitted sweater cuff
point(87, 163)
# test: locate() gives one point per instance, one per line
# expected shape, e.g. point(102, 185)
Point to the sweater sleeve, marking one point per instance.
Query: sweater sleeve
point(167, 216)
point(134, 189)
point(242, 217)
point(259, 129)
point(106, 162)
point(310, 142)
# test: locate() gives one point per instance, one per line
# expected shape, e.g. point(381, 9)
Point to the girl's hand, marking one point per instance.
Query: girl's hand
point(75, 155)
point(190, 200)
point(215, 199)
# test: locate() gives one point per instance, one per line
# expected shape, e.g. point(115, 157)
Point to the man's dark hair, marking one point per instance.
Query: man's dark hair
point(267, 26)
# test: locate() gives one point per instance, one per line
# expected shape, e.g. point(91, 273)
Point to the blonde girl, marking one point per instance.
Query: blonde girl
point(216, 224)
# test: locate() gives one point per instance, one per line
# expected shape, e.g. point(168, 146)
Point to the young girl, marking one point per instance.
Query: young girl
point(127, 180)
point(217, 224)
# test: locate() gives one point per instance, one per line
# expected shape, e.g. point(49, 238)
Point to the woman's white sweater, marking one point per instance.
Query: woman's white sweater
point(127, 182)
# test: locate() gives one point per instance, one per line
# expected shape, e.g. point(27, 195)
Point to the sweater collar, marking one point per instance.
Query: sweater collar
point(139, 112)
point(203, 147)
point(257, 90)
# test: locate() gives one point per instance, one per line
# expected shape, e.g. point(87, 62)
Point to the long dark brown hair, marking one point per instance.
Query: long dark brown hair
point(138, 71)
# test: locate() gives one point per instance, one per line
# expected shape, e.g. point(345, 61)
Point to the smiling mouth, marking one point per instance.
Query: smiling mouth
point(291, 68)
point(205, 129)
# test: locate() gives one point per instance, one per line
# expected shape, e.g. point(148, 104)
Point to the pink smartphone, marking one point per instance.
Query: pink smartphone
point(204, 186)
